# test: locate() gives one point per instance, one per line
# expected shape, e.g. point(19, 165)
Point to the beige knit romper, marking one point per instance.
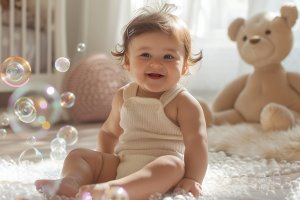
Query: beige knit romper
point(148, 133)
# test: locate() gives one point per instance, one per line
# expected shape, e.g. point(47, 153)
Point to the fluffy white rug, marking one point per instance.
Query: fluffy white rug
point(250, 139)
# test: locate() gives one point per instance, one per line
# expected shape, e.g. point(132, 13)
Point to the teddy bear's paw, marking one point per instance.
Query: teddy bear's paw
point(276, 117)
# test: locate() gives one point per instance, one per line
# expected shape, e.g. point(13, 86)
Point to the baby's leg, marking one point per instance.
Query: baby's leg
point(81, 167)
point(160, 175)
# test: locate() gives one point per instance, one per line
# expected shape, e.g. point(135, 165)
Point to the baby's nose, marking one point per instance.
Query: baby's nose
point(156, 65)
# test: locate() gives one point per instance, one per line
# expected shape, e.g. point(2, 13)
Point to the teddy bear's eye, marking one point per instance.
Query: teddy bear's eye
point(245, 38)
point(268, 32)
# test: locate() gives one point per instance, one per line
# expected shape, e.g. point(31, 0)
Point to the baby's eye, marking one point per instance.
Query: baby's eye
point(146, 55)
point(168, 56)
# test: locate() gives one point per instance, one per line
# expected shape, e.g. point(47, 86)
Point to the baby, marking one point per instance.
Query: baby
point(154, 139)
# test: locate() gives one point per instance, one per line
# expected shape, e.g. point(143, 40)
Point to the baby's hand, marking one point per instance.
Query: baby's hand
point(190, 185)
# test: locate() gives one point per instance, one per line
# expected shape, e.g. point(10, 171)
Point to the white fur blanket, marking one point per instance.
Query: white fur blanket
point(250, 139)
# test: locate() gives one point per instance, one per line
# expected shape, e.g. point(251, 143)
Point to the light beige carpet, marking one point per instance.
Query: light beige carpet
point(250, 140)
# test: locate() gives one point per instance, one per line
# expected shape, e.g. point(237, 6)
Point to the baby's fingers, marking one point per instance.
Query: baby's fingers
point(196, 191)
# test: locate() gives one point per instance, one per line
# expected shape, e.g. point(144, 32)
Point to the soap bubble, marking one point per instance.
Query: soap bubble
point(178, 191)
point(25, 110)
point(179, 197)
point(155, 196)
point(116, 193)
point(58, 143)
point(47, 108)
point(62, 64)
point(271, 194)
point(263, 188)
point(296, 166)
point(81, 47)
point(67, 99)
point(287, 179)
point(30, 158)
point(15, 71)
point(30, 140)
point(2, 133)
point(85, 196)
point(58, 154)
point(5, 121)
point(69, 133)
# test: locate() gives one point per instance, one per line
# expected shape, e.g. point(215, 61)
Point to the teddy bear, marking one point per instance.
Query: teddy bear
point(270, 95)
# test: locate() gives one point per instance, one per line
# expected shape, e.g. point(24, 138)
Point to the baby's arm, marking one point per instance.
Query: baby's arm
point(192, 124)
point(109, 134)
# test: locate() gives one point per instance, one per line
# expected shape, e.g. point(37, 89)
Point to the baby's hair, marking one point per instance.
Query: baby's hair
point(157, 18)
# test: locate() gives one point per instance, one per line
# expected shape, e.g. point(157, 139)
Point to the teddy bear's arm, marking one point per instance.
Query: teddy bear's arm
point(226, 98)
point(294, 80)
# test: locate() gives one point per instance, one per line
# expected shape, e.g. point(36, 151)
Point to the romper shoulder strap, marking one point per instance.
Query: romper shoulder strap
point(169, 95)
point(130, 90)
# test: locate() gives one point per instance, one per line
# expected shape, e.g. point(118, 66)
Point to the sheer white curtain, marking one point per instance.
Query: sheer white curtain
point(101, 22)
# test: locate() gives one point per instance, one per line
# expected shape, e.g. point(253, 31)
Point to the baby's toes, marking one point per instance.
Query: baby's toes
point(84, 192)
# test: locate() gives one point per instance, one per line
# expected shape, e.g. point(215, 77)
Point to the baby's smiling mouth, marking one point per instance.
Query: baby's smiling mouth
point(155, 75)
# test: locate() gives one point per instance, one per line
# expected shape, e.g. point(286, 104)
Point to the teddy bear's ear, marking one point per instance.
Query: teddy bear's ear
point(234, 27)
point(289, 12)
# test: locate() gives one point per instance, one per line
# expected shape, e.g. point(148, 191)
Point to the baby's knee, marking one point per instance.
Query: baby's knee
point(79, 152)
point(173, 164)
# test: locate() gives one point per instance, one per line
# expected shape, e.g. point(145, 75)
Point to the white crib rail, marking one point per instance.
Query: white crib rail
point(11, 27)
point(59, 45)
point(0, 37)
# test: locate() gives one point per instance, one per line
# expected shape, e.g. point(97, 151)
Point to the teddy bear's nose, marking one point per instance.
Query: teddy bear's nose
point(254, 39)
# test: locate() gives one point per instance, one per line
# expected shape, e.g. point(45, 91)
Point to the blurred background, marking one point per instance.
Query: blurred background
point(99, 23)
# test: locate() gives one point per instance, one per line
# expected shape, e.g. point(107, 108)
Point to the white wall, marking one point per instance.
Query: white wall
point(91, 28)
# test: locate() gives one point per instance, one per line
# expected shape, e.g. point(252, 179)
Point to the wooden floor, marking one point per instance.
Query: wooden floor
point(13, 145)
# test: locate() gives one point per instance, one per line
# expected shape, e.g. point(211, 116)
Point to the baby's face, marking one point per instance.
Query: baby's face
point(156, 61)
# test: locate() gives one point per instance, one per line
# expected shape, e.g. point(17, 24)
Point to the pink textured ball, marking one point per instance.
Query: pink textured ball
point(94, 81)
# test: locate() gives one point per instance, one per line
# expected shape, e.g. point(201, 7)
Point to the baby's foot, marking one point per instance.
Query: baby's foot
point(66, 186)
point(94, 192)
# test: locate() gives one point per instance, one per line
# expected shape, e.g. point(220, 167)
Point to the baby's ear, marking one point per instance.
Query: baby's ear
point(184, 69)
point(126, 62)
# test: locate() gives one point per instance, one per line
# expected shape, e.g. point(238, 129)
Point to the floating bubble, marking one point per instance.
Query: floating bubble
point(2, 133)
point(30, 158)
point(50, 90)
point(43, 104)
point(58, 143)
point(62, 64)
point(41, 119)
point(116, 193)
point(23, 107)
point(58, 154)
point(85, 196)
point(46, 125)
point(15, 71)
point(5, 121)
point(67, 99)
point(81, 47)
point(25, 110)
point(47, 108)
point(69, 134)
point(30, 140)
